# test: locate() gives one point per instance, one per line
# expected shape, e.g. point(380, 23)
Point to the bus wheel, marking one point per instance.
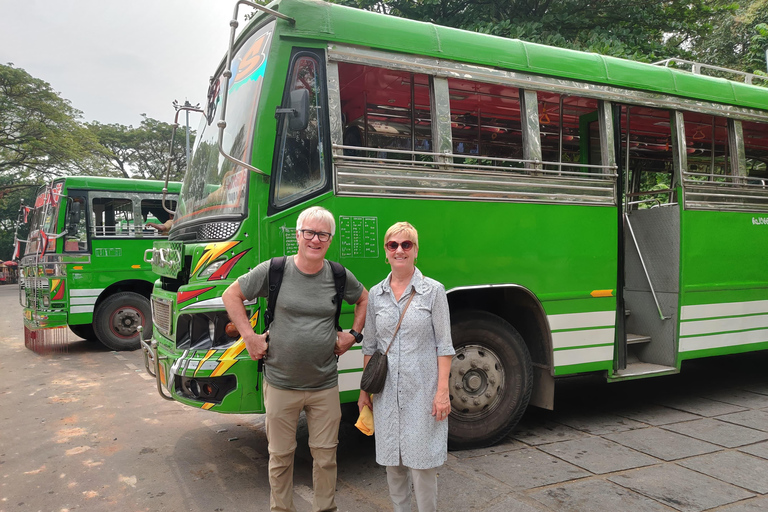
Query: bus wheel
point(490, 381)
point(84, 331)
point(116, 319)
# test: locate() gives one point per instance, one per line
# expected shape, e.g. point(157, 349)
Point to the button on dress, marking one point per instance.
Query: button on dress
point(402, 412)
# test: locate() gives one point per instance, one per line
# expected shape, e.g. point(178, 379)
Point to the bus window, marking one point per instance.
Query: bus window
point(387, 110)
point(76, 239)
point(648, 134)
point(563, 121)
point(756, 152)
point(112, 217)
point(485, 121)
point(152, 211)
point(706, 139)
point(301, 161)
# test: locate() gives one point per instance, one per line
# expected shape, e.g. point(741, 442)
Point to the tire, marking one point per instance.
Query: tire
point(84, 331)
point(117, 317)
point(490, 381)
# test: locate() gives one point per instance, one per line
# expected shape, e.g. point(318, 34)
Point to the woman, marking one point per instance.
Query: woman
point(410, 414)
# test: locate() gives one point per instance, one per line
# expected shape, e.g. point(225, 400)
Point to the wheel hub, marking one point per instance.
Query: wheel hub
point(476, 381)
point(125, 321)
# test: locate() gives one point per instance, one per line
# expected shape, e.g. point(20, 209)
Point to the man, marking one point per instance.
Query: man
point(301, 348)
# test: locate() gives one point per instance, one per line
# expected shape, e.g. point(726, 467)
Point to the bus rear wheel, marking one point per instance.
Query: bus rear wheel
point(84, 331)
point(490, 381)
point(116, 319)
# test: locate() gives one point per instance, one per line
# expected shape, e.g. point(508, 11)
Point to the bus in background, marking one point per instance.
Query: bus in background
point(82, 265)
point(586, 214)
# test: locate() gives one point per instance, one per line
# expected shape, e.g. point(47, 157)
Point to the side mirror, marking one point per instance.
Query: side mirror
point(298, 111)
point(74, 218)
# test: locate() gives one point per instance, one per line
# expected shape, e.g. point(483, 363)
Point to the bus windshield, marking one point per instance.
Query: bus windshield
point(44, 216)
point(214, 186)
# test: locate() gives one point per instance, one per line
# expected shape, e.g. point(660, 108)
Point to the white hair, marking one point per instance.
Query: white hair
point(316, 213)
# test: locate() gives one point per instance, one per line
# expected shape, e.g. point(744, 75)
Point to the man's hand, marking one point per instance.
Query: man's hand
point(256, 344)
point(344, 340)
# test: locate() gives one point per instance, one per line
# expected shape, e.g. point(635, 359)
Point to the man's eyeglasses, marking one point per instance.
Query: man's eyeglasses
point(308, 234)
point(407, 245)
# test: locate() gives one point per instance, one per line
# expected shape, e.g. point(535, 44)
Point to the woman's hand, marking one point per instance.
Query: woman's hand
point(364, 400)
point(441, 405)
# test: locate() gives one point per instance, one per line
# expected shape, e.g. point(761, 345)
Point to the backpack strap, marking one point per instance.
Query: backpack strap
point(275, 279)
point(340, 281)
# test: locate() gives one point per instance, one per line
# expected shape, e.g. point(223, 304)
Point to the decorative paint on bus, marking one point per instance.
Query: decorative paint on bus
point(585, 213)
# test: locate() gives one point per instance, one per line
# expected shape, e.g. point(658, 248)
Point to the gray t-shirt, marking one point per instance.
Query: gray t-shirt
point(303, 333)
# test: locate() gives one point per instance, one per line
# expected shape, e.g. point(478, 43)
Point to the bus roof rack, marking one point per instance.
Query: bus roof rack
point(696, 68)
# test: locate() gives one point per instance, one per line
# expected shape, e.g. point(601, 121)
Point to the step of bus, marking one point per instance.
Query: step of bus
point(641, 370)
point(633, 339)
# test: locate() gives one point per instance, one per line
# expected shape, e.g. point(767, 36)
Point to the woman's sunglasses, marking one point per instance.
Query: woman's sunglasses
point(407, 245)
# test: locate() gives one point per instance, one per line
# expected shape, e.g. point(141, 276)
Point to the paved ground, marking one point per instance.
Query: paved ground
point(86, 430)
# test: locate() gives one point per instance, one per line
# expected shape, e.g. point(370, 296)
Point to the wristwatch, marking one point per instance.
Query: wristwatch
point(357, 335)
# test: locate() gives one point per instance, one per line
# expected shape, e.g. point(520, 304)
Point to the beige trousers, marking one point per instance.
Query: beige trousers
point(424, 487)
point(323, 416)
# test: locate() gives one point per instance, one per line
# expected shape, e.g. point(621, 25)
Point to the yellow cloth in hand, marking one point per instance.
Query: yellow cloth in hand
point(365, 421)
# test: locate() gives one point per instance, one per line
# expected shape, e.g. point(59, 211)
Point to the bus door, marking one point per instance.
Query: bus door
point(650, 245)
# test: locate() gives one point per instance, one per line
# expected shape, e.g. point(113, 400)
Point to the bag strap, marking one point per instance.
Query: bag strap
point(275, 276)
point(401, 321)
point(340, 281)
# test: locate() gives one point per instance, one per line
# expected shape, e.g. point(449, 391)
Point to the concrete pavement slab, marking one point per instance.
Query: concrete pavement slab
point(757, 387)
point(700, 406)
point(514, 504)
point(506, 445)
point(759, 449)
point(662, 444)
point(740, 397)
point(718, 432)
point(540, 431)
point(680, 488)
point(592, 494)
point(756, 419)
point(740, 469)
point(655, 414)
point(459, 489)
point(597, 423)
point(526, 469)
point(598, 455)
point(758, 504)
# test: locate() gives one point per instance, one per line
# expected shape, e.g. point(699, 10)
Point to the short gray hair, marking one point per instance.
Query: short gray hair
point(316, 213)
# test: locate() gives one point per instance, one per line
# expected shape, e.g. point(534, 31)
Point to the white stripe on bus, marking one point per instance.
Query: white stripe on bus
point(349, 381)
point(723, 309)
point(351, 360)
point(723, 325)
point(85, 292)
point(81, 309)
point(732, 339)
point(83, 300)
point(582, 320)
point(572, 339)
point(583, 355)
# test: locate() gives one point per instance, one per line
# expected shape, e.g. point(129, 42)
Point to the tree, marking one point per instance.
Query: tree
point(143, 151)
point(635, 29)
point(40, 133)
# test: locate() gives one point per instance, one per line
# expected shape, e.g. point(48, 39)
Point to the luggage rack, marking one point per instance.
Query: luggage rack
point(697, 67)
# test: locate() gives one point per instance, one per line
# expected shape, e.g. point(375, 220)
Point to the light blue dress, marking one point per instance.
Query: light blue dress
point(402, 412)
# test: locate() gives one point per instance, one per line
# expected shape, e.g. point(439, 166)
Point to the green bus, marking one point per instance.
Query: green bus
point(586, 214)
point(83, 261)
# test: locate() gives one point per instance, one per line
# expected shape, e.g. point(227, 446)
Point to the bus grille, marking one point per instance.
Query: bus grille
point(210, 231)
point(161, 315)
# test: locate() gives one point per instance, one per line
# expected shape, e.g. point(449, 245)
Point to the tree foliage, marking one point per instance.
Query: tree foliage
point(143, 151)
point(636, 29)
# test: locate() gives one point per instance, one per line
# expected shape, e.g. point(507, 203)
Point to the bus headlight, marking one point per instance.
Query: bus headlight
point(210, 269)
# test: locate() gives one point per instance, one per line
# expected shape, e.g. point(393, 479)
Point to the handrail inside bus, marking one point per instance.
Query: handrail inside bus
point(645, 268)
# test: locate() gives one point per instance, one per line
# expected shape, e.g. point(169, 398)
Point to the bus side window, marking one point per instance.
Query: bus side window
point(569, 131)
point(301, 166)
point(112, 217)
point(152, 212)
point(756, 152)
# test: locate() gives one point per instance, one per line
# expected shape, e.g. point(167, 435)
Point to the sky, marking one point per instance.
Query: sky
point(116, 60)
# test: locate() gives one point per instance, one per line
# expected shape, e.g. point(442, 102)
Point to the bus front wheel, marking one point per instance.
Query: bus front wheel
point(116, 319)
point(490, 381)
